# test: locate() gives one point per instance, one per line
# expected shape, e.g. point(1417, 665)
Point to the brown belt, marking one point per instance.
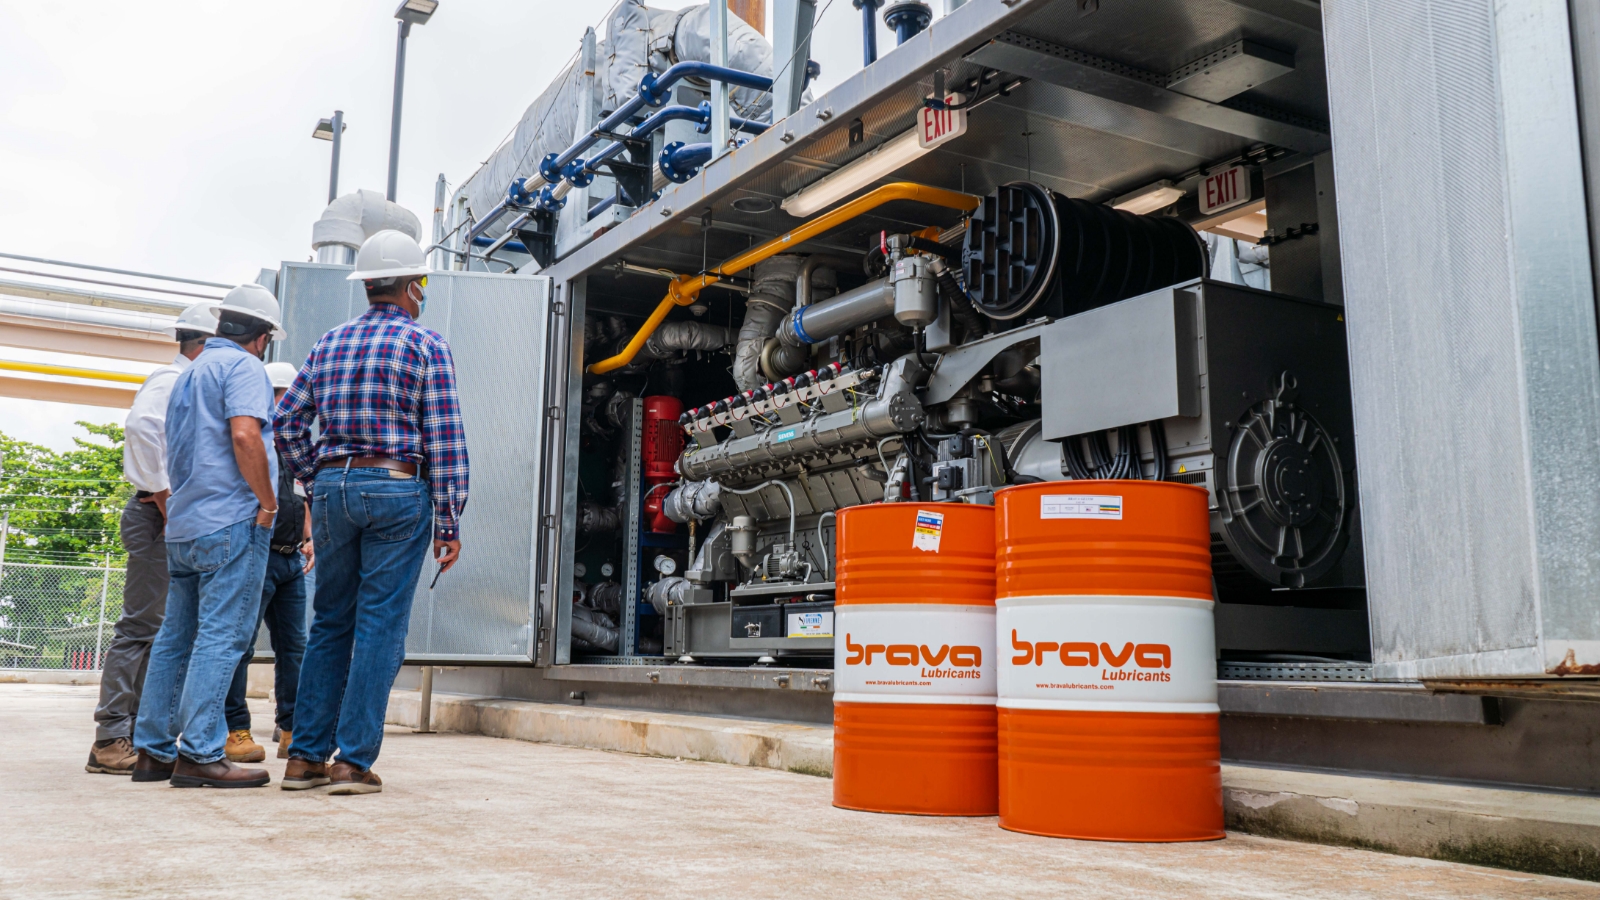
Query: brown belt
point(370, 462)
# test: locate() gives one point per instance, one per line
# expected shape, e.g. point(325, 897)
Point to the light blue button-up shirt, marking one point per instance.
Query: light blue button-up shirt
point(208, 491)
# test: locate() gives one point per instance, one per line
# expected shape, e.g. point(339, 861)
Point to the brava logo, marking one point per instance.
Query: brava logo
point(1085, 653)
point(963, 656)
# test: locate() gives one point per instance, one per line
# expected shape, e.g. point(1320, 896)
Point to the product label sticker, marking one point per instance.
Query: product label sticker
point(929, 529)
point(810, 624)
point(787, 434)
point(1079, 506)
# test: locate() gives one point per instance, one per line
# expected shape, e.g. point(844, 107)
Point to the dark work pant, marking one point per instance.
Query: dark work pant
point(372, 532)
point(283, 609)
point(144, 602)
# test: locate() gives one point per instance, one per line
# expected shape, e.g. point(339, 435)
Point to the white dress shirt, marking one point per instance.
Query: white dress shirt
point(144, 441)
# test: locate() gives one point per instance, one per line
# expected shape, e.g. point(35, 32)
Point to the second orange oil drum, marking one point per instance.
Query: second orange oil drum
point(1107, 709)
point(914, 660)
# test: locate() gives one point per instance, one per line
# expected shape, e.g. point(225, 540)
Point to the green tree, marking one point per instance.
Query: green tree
point(62, 510)
point(64, 506)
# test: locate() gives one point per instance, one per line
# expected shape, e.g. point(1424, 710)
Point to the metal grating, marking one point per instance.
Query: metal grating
point(1263, 671)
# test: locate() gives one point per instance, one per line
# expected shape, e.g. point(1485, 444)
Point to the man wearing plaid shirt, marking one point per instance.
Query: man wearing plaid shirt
point(388, 476)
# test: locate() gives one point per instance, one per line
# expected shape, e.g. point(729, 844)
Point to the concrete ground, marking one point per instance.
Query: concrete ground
point(469, 816)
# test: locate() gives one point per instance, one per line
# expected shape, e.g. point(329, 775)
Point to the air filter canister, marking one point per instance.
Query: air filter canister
point(1032, 252)
point(1108, 719)
point(914, 692)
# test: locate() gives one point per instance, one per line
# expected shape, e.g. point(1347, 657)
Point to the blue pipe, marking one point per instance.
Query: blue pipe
point(515, 246)
point(603, 205)
point(907, 18)
point(653, 92)
point(679, 161)
point(869, 29)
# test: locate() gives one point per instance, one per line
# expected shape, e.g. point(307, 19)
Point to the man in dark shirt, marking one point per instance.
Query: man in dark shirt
point(283, 608)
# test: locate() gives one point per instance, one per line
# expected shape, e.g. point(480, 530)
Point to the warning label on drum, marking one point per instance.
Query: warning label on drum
point(1079, 506)
point(929, 529)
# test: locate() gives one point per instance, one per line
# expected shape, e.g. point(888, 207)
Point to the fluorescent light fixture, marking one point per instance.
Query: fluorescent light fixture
point(324, 129)
point(1149, 198)
point(416, 12)
point(890, 155)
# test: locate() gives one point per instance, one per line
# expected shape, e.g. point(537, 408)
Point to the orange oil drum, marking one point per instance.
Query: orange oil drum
point(1107, 690)
point(914, 686)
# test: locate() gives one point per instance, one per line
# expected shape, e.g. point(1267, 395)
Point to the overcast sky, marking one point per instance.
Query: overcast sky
point(175, 137)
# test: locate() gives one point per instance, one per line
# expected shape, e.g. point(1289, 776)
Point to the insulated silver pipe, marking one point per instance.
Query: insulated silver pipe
point(849, 310)
point(337, 254)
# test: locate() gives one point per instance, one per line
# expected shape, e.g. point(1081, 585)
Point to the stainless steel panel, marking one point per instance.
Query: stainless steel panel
point(1132, 361)
point(1472, 333)
point(483, 609)
point(314, 299)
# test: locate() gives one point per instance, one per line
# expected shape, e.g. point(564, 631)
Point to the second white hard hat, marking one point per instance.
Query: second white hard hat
point(201, 317)
point(255, 301)
point(281, 374)
point(389, 254)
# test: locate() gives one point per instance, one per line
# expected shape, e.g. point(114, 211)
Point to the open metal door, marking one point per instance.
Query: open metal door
point(485, 609)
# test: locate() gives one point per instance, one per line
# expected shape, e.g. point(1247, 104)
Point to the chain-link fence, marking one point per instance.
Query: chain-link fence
point(57, 617)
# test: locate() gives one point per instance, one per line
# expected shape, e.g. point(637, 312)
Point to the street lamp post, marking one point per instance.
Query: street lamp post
point(330, 130)
point(411, 12)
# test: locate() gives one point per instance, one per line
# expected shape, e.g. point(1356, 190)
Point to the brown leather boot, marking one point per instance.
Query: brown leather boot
point(284, 739)
point(148, 768)
point(223, 773)
point(344, 778)
point(113, 757)
point(302, 774)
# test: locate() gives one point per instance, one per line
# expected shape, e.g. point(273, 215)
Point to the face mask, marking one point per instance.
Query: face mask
point(422, 299)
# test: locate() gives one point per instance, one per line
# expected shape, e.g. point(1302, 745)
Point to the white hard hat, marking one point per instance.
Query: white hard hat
point(281, 373)
point(255, 301)
point(389, 254)
point(201, 317)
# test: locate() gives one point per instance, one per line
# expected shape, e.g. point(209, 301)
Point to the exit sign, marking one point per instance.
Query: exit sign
point(1224, 190)
point(935, 126)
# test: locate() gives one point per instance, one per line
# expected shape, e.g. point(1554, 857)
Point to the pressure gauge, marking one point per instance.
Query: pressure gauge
point(666, 565)
point(606, 570)
point(579, 570)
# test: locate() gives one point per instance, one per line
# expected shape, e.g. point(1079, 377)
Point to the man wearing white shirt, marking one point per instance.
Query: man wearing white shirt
point(144, 598)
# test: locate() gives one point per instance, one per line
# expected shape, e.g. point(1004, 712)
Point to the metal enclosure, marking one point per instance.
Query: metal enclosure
point(483, 610)
point(1473, 348)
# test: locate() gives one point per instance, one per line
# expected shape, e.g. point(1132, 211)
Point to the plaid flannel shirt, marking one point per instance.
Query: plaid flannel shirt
point(381, 385)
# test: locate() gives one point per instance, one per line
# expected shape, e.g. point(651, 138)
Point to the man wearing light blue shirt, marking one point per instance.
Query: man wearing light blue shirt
point(223, 475)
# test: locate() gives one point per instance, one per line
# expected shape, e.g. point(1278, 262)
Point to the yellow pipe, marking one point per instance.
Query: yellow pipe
point(684, 289)
point(70, 372)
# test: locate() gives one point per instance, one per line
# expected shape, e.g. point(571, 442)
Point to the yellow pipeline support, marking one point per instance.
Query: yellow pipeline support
point(684, 289)
point(69, 372)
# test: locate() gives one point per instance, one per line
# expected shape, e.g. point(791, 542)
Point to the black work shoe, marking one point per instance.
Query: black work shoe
point(148, 768)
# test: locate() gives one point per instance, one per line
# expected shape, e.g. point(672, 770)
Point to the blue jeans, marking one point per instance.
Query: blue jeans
point(283, 608)
point(211, 614)
point(372, 533)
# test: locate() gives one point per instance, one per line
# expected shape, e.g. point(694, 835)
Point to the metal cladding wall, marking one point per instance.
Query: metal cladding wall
point(482, 610)
point(1473, 354)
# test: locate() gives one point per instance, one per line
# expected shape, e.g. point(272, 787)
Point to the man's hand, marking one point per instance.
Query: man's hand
point(309, 551)
point(159, 498)
point(264, 516)
point(446, 552)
